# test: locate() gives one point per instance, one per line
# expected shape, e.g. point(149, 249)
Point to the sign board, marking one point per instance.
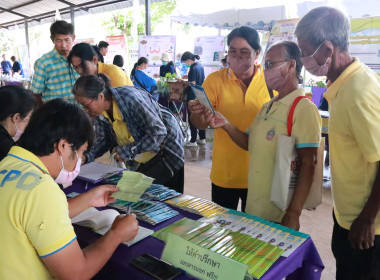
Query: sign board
point(200, 262)
point(152, 47)
point(210, 49)
point(365, 41)
point(116, 46)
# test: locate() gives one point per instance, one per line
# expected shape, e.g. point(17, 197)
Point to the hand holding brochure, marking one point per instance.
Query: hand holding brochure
point(132, 185)
point(202, 96)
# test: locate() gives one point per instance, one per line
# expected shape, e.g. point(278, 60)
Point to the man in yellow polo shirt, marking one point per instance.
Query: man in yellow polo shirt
point(37, 238)
point(238, 92)
point(354, 135)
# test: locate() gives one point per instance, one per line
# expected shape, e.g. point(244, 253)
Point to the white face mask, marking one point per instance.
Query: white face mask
point(67, 177)
point(312, 66)
point(273, 77)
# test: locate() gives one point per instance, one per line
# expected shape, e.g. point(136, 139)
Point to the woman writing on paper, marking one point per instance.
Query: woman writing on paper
point(282, 73)
point(131, 123)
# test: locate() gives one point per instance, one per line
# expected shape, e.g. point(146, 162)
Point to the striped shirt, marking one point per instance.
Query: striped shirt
point(149, 124)
point(53, 77)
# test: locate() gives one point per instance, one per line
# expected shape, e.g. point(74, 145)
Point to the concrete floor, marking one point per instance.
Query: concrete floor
point(317, 223)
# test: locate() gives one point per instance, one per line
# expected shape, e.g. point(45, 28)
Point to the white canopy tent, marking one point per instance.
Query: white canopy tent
point(229, 14)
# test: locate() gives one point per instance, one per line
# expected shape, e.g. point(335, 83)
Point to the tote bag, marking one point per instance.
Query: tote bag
point(286, 169)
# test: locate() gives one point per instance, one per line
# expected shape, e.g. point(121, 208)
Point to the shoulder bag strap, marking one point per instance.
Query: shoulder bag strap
point(140, 84)
point(270, 93)
point(291, 113)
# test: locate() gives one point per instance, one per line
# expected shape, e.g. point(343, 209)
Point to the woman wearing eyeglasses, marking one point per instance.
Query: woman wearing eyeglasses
point(282, 70)
point(131, 124)
point(16, 107)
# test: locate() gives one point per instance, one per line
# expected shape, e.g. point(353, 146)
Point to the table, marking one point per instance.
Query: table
point(304, 263)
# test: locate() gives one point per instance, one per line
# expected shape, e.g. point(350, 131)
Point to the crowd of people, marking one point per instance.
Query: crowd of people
point(81, 108)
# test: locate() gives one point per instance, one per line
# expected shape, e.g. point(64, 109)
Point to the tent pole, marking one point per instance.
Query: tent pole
point(72, 16)
point(27, 35)
point(147, 17)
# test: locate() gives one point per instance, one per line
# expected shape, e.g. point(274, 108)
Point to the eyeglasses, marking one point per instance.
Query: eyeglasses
point(86, 106)
point(269, 64)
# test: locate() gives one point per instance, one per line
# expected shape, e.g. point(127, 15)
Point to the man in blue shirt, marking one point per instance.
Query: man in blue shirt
point(6, 66)
point(17, 67)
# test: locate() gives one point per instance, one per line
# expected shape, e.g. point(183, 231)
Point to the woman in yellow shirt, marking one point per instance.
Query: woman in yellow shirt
point(85, 62)
point(238, 92)
point(282, 73)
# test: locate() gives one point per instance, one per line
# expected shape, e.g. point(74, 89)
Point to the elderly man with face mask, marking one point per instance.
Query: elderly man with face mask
point(238, 92)
point(354, 135)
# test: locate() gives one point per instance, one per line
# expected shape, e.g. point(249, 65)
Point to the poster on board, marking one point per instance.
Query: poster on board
point(116, 46)
point(282, 30)
point(152, 47)
point(365, 41)
point(210, 49)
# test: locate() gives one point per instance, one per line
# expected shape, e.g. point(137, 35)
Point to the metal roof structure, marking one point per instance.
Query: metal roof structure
point(35, 12)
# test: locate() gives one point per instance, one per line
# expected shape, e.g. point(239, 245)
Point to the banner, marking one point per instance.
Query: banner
point(282, 30)
point(117, 46)
point(365, 41)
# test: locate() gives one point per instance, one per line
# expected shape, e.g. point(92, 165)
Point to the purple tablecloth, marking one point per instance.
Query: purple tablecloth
point(13, 83)
point(304, 263)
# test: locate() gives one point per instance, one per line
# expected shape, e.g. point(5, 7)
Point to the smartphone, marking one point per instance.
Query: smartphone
point(155, 267)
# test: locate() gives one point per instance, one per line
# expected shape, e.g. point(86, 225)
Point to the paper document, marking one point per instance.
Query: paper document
point(94, 172)
point(101, 222)
point(132, 185)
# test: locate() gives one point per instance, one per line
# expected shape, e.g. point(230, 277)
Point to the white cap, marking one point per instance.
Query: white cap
point(165, 57)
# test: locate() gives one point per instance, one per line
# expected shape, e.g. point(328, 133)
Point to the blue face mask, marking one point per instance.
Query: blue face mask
point(187, 66)
point(164, 62)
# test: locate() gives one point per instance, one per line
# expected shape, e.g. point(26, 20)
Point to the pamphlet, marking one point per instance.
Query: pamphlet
point(202, 96)
point(132, 185)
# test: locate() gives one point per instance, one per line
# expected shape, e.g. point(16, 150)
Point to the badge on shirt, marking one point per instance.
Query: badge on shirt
point(270, 134)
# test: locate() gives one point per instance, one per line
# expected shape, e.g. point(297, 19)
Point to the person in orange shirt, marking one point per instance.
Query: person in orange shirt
point(238, 92)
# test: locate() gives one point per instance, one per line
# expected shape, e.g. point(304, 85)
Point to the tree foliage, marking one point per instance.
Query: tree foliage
point(6, 42)
point(121, 23)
